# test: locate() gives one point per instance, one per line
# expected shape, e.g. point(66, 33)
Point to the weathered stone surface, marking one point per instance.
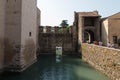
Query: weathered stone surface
point(10, 53)
point(19, 57)
point(50, 40)
point(28, 54)
point(2, 27)
point(12, 56)
point(18, 34)
point(104, 59)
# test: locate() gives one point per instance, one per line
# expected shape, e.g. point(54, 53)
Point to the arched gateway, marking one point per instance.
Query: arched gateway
point(88, 26)
point(89, 36)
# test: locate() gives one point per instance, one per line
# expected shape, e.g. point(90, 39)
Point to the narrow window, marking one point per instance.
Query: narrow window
point(115, 39)
point(30, 34)
point(7, 0)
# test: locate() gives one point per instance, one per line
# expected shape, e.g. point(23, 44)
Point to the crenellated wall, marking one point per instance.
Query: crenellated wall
point(107, 60)
point(55, 29)
point(53, 37)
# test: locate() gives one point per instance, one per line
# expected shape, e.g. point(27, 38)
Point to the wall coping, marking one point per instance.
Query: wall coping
point(103, 47)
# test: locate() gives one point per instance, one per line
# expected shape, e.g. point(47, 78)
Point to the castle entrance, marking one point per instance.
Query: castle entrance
point(89, 36)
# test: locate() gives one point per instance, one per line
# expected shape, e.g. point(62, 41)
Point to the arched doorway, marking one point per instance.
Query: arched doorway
point(89, 36)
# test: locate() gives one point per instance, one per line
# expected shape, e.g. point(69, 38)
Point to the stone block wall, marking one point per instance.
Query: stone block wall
point(28, 54)
point(49, 41)
point(55, 36)
point(107, 60)
point(54, 29)
point(20, 38)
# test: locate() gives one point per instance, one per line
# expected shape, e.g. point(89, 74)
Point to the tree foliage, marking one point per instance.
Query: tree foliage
point(64, 23)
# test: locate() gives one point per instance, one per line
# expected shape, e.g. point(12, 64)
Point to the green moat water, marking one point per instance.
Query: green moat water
point(62, 68)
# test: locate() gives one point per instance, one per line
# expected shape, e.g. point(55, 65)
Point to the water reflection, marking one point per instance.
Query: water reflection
point(58, 58)
point(60, 68)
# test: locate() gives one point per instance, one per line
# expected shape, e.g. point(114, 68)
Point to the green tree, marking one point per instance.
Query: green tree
point(64, 23)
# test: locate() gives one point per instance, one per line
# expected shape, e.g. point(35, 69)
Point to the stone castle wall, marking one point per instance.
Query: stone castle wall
point(28, 33)
point(12, 33)
point(54, 37)
point(107, 60)
point(49, 41)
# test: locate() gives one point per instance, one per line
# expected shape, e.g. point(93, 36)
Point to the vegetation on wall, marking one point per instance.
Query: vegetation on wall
point(65, 26)
point(62, 30)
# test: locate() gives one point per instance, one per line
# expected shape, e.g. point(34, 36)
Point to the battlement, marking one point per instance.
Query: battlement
point(55, 29)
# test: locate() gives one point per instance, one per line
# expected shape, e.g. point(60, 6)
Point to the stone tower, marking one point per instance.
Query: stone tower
point(20, 34)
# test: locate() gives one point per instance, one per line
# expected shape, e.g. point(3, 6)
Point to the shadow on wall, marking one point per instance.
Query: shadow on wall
point(80, 50)
point(9, 53)
point(1, 53)
point(19, 57)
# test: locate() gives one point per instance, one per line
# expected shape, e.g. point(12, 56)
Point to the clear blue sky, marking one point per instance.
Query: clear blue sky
point(54, 11)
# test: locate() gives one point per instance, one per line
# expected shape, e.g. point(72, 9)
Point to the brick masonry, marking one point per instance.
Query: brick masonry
point(106, 60)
